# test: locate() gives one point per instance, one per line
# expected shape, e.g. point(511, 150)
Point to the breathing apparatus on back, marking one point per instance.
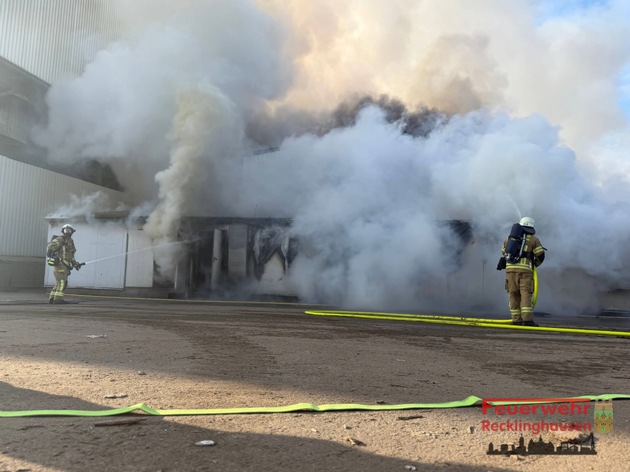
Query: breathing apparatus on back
point(52, 256)
point(516, 242)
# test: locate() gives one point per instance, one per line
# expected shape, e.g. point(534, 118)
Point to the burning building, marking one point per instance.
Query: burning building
point(226, 256)
point(166, 106)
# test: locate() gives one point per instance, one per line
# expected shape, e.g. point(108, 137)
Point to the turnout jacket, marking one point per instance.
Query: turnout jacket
point(63, 249)
point(533, 255)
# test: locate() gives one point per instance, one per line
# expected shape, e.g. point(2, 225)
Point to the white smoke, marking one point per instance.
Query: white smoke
point(535, 127)
point(369, 200)
point(121, 110)
point(206, 134)
point(85, 206)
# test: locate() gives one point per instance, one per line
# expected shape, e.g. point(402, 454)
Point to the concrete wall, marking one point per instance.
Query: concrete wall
point(21, 272)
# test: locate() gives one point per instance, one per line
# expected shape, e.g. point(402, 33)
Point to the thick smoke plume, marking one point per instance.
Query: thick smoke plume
point(84, 207)
point(389, 121)
point(205, 136)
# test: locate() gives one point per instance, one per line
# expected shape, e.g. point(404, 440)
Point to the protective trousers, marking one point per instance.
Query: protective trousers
point(61, 277)
point(519, 285)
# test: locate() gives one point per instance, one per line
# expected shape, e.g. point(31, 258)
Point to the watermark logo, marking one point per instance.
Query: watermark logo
point(540, 447)
point(505, 413)
point(603, 421)
point(547, 415)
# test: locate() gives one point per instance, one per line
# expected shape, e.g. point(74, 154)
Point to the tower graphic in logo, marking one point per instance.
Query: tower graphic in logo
point(603, 421)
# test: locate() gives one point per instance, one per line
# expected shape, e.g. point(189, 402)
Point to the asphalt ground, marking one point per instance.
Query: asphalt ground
point(614, 320)
point(219, 354)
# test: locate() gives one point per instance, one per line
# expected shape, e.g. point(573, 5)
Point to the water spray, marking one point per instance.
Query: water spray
point(515, 207)
point(137, 250)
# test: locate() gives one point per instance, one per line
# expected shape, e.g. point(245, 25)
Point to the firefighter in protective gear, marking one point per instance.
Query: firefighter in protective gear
point(519, 278)
point(60, 255)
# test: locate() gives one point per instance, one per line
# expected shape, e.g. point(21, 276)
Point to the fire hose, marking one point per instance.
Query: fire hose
point(141, 407)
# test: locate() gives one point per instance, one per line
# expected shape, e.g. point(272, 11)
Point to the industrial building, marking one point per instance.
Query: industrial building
point(40, 42)
point(218, 256)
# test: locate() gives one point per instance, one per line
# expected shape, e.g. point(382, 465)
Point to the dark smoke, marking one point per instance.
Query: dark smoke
point(416, 123)
point(267, 131)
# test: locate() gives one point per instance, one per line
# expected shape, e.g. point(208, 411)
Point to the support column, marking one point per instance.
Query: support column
point(217, 258)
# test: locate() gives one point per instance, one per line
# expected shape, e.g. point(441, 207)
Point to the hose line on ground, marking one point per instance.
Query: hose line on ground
point(141, 407)
point(462, 321)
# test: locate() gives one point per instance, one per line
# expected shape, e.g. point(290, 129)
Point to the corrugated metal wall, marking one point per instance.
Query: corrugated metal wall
point(56, 38)
point(27, 195)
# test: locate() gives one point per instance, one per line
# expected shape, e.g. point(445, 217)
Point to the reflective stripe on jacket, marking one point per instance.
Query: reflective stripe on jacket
point(532, 245)
point(64, 249)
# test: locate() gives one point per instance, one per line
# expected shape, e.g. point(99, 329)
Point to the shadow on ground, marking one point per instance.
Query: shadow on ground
point(160, 444)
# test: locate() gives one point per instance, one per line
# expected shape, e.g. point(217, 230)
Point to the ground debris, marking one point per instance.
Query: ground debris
point(205, 442)
point(355, 441)
point(413, 417)
point(116, 395)
point(126, 422)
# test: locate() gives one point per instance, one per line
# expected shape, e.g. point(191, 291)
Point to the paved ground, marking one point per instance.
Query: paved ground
point(198, 355)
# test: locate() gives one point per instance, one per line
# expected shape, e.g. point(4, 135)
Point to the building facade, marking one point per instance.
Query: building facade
point(41, 41)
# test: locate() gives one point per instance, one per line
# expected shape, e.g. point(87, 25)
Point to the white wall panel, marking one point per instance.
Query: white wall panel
point(106, 257)
point(56, 38)
point(27, 195)
point(139, 260)
point(103, 247)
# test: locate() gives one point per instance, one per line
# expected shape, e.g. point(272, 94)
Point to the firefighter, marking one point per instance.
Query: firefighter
point(519, 277)
point(60, 255)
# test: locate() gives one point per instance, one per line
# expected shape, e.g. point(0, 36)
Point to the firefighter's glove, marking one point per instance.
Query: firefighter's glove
point(501, 264)
point(78, 265)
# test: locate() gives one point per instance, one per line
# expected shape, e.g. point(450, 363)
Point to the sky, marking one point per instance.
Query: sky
point(389, 117)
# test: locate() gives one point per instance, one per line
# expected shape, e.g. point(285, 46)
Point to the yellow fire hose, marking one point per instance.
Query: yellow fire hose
point(467, 321)
point(142, 408)
point(462, 321)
